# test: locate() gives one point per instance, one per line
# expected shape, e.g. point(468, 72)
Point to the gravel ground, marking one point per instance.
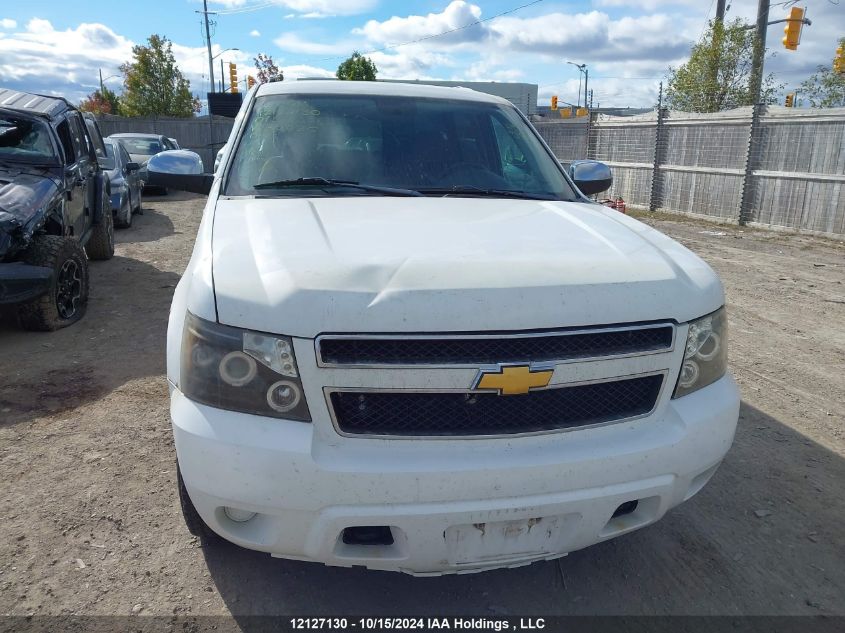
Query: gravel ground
point(92, 523)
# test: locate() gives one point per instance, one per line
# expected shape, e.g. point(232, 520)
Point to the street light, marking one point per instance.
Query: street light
point(221, 65)
point(106, 79)
point(582, 68)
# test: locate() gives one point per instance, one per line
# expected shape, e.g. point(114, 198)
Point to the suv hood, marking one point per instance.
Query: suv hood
point(303, 267)
point(24, 200)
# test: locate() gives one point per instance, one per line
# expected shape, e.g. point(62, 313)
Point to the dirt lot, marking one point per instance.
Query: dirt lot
point(92, 525)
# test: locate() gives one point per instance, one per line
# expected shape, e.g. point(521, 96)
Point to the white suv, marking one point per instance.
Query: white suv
point(407, 341)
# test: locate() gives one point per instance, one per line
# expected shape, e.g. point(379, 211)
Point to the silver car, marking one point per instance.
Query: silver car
point(142, 147)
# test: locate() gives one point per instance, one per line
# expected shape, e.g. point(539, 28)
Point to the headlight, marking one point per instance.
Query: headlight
point(705, 353)
point(240, 370)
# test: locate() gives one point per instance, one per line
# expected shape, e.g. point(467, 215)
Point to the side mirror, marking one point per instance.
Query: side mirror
point(178, 169)
point(130, 167)
point(590, 176)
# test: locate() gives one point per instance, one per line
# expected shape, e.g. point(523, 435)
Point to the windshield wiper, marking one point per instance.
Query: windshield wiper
point(330, 182)
point(482, 191)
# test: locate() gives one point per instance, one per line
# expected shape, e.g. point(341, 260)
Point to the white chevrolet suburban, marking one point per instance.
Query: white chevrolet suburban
point(407, 340)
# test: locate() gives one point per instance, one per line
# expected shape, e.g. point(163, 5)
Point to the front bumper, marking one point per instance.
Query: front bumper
point(452, 506)
point(23, 282)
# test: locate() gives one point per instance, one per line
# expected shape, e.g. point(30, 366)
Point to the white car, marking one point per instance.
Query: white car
point(406, 341)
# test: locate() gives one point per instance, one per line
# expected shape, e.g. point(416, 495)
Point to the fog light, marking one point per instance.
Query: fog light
point(689, 373)
point(283, 396)
point(237, 369)
point(239, 516)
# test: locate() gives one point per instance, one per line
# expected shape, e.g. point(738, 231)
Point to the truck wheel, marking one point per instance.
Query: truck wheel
point(67, 298)
point(193, 520)
point(124, 214)
point(101, 244)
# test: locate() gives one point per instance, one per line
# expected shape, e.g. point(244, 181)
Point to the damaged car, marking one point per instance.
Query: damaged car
point(54, 208)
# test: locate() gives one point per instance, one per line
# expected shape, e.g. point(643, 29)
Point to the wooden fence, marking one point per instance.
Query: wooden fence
point(774, 167)
point(196, 134)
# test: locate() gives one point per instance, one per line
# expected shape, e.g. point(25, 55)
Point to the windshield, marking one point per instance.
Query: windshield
point(144, 146)
point(436, 146)
point(25, 140)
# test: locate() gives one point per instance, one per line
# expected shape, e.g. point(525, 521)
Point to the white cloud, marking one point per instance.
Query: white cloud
point(297, 71)
point(255, 33)
point(8, 23)
point(456, 15)
point(68, 62)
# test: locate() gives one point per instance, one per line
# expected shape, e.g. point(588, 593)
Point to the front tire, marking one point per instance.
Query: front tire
point(124, 214)
point(193, 520)
point(101, 244)
point(66, 300)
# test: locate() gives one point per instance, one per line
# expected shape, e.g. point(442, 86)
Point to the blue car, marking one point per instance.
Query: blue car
point(125, 181)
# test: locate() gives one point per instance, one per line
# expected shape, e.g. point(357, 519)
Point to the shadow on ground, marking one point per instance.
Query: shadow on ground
point(126, 318)
point(150, 227)
point(737, 550)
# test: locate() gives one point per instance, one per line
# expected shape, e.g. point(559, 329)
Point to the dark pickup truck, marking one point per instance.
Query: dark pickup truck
point(54, 208)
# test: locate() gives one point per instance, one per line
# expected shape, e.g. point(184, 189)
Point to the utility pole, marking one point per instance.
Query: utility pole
point(720, 11)
point(208, 45)
point(759, 50)
point(222, 88)
point(101, 81)
point(586, 80)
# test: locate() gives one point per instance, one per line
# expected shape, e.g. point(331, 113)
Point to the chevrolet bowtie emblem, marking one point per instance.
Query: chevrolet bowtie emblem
point(513, 379)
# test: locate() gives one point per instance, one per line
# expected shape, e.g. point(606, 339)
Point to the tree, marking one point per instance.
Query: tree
point(825, 88)
point(267, 69)
point(718, 74)
point(357, 68)
point(153, 83)
point(105, 102)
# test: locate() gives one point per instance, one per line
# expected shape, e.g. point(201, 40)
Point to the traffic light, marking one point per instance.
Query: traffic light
point(790, 100)
point(839, 60)
point(792, 29)
point(233, 77)
point(250, 81)
point(554, 102)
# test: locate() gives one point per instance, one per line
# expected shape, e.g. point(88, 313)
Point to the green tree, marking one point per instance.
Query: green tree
point(718, 73)
point(153, 84)
point(267, 69)
point(101, 102)
point(357, 68)
point(825, 88)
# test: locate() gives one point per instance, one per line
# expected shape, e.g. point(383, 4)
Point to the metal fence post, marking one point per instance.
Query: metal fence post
point(655, 199)
point(751, 157)
point(591, 141)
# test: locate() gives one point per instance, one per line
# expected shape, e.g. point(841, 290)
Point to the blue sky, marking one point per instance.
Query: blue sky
point(628, 44)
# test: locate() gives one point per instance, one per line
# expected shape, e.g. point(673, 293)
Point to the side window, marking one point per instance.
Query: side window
point(80, 143)
point(96, 138)
point(63, 130)
point(124, 155)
